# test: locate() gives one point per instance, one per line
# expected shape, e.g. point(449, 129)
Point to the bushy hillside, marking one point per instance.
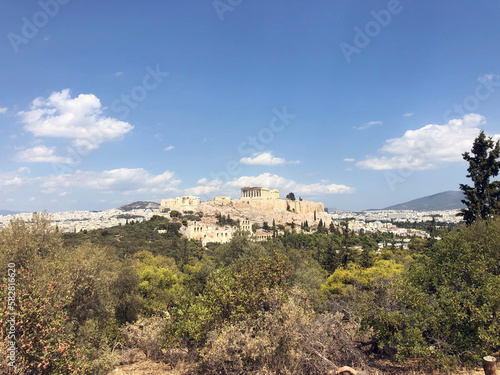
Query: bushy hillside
point(299, 303)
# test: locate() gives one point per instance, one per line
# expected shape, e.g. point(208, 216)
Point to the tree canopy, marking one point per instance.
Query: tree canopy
point(482, 199)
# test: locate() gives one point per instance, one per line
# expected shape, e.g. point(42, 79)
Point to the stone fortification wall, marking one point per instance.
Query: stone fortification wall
point(299, 207)
point(186, 203)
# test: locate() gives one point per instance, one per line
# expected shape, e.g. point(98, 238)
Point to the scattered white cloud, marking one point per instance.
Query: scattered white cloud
point(9, 180)
point(268, 180)
point(427, 147)
point(79, 119)
point(169, 148)
point(408, 114)
point(367, 125)
point(266, 158)
point(349, 160)
point(3, 109)
point(274, 181)
point(158, 136)
point(41, 154)
point(32, 199)
point(117, 181)
point(488, 77)
point(204, 187)
point(117, 74)
point(10, 200)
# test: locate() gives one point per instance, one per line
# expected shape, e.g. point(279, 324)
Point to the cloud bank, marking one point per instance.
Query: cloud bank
point(428, 147)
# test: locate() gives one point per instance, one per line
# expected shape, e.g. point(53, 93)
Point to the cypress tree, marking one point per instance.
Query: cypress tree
point(482, 199)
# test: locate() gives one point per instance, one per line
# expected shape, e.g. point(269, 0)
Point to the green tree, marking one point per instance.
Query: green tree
point(447, 308)
point(158, 275)
point(343, 279)
point(290, 196)
point(482, 199)
point(265, 226)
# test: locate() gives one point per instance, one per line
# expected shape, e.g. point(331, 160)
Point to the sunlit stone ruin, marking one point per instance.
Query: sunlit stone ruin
point(257, 207)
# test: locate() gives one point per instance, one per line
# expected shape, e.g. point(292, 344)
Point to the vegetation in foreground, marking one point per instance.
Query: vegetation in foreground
point(297, 304)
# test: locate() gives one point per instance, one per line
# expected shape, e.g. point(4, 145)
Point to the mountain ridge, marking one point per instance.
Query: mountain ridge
point(446, 200)
point(139, 205)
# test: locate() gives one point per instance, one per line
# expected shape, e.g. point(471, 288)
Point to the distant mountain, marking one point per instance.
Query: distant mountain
point(7, 212)
point(448, 200)
point(140, 205)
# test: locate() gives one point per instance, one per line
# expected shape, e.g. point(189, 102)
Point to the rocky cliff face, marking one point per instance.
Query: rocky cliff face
point(259, 210)
point(298, 207)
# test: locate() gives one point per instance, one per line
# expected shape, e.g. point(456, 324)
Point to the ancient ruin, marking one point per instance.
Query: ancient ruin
point(259, 192)
point(257, 205)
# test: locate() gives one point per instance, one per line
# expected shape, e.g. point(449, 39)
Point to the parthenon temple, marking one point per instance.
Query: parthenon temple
point(259, 192)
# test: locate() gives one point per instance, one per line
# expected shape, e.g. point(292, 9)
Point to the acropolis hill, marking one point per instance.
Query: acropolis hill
point(256, 206)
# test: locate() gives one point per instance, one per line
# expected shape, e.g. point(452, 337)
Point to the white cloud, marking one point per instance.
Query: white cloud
point(349, 160)
point(408, 114)
point(267, 180)
point(79, 118)
point(41, 154)
point(204, 187)
point(32, 199)
point(367, 125)
point(117, 181)
point(427, 147)
point(3, 109)
point(169, 148)
point(266, 158)
point(10, 180)
point(117, 74)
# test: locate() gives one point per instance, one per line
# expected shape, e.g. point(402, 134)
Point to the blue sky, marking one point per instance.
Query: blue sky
point(355, 104)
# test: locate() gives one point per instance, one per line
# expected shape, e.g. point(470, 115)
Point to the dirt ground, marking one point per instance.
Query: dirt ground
point(153, 368)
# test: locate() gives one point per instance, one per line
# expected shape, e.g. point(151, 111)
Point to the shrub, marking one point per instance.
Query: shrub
point(285, 339)
point(231, 294)
point(42, 343)
point(343, 280)
point(145, 336)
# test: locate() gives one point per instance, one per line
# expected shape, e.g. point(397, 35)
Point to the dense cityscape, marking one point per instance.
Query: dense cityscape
point(368, 221)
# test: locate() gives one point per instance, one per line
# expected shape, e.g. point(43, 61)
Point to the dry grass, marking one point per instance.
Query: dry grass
point(153, 368)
